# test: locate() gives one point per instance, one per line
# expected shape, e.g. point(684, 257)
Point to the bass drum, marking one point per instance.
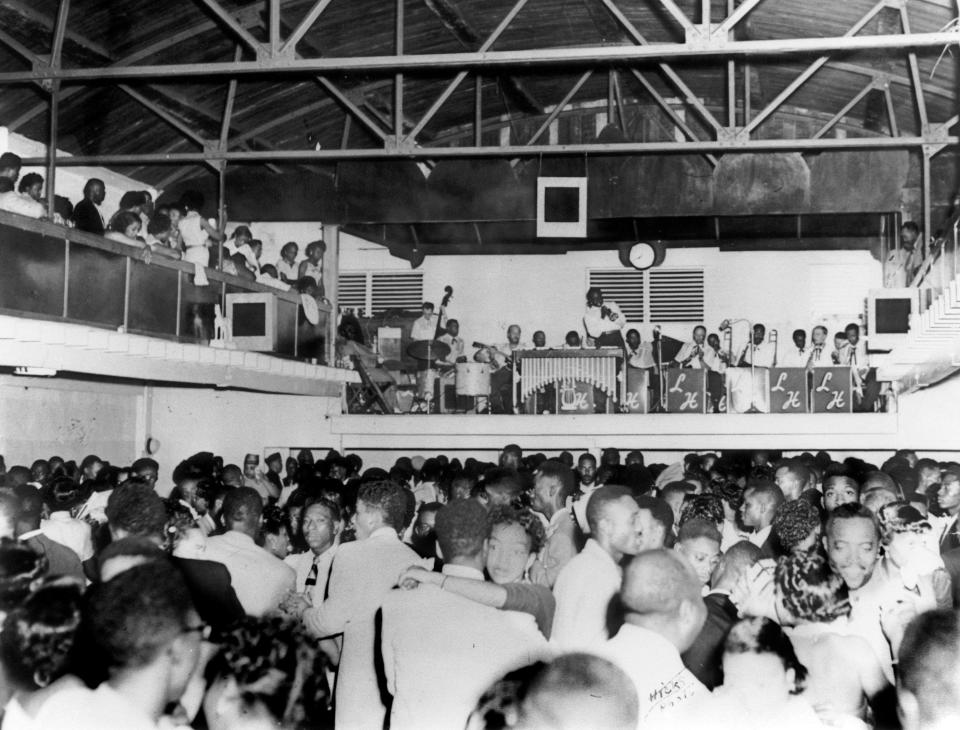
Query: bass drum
point(473, 378)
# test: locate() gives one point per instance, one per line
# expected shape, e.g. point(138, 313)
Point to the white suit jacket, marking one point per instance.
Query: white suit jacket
point(442, 651)
point(361, 576)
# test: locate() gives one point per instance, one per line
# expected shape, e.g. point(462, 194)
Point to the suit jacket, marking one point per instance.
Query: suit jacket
point(87, 217)
point(950, 540)
point(61, 559)
point(210, 587)
point(705, 657)
point(951, 559)
point(442, 651)
point(362, 575)
point(771, 548)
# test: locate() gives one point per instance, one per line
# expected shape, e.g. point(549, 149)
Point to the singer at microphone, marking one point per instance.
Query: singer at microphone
point(603, 321)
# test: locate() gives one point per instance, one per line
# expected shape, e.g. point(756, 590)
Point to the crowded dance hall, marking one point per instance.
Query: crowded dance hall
point(479, 365)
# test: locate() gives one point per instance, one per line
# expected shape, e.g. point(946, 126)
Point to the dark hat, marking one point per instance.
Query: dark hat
point(275, 456)
point(9, 159)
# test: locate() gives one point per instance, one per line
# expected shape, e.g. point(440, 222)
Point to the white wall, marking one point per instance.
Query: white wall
point(234, 423)
point(70, 180)
point(781, 288)
point(40, 418)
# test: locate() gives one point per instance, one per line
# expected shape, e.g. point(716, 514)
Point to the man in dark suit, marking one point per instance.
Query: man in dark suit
point(86, 214)
point(951, 560)
point(948, 497)
point(29, 504)
point(705, 657)
point(760, 502)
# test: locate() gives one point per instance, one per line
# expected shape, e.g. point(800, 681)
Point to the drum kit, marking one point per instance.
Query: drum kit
point(472, 378)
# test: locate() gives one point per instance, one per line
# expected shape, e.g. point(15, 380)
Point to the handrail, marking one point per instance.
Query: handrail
point(937, 247)
point(134, 252)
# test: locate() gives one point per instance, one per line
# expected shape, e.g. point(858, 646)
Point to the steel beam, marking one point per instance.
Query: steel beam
point(850, 35)
point(678, 15)
point(533, 58)
point(273, 27)
point(735, 17)
point(512, 151)
point(914, 72)
point(228, 105)
point(340, 96)
point(846, 109)
point(674, 117)
point(638, 38)
point(398, 78)
point(166, 116)
point(560, 107)
point(891, 113)
point(452, 86)
point(304, 26)
point(228, 20)
point(59, 32)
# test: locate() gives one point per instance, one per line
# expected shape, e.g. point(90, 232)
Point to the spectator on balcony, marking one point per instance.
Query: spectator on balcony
point(10, 167)
point(175, 214)
point(158, 236)
point(87, 214)
point(195, 230)
point(23, 202)
point(131, 202)
point(310, 272)
point(31, 186)
point(902, 263)
point(287, 266)
point(125, 227)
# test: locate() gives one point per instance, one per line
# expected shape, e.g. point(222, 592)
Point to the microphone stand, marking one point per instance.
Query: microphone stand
point(753, 367)
point(661, 396)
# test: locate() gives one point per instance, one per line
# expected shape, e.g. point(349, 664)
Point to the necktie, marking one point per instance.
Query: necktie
point(312, 576)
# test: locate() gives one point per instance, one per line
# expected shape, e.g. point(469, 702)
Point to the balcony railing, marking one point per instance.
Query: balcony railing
point(53, 272)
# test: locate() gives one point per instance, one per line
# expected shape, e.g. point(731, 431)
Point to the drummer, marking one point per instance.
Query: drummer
point(453, 339)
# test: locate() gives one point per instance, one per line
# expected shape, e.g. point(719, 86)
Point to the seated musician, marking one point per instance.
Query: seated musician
point(819, 357)
point(603, 321)
point(540, 340)
point(757, 352)
point(796, 356)
point(839, 342)
point(452, 338)
point(572, 341)
point(501, 361)
point(425, 326)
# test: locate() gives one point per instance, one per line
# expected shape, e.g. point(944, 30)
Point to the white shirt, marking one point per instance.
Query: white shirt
point(302, 563)
point(75, 534)
point(899, 265)
point(191, 230)
point(794, 357)
point(583, 591)
point(642, 357)
point(766, 354)
point(425, 329)
point(79, 708)
point(866, 604)
point(855, 356)
point(760, 536)
point(711, 360)
point(596, 325)
point(818, 356)
point(259, 578)
point(665, 687)
point(290, 271)
point(15, 202)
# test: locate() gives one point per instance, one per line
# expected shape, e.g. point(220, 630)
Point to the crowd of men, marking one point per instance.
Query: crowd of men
point(739, 590)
